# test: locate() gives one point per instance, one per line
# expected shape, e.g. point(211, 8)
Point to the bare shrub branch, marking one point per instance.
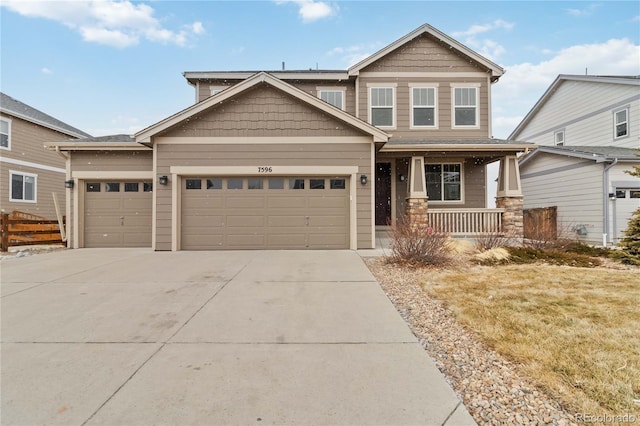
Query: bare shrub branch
point(416, 244)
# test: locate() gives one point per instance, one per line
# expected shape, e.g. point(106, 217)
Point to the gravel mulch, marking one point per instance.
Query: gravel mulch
point(492, 389)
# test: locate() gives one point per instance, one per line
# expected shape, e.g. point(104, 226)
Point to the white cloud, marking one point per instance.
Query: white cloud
point(523, 84)
point(351, 55)
point(587, 11)
point(114, 23)
point(46, 70)
point(311, 10)
point(485, 46)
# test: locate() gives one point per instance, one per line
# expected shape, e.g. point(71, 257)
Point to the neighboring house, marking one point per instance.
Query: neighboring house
point(306, 159)
point(588, 132)
point(29, 173)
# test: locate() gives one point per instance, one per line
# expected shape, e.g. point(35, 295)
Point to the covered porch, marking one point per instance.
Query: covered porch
point(444, 186)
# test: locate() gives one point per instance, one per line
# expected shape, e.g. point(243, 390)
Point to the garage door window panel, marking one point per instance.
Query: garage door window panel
point(131, 187)
point(214, 183)
point(255, 183)
point(276, 183)
point(147, 187)
point(194, 184)
point(316, 183)
point(112, 187)
point(235, 183)
point(338, 184)
point(93, 187)
point(296, 183)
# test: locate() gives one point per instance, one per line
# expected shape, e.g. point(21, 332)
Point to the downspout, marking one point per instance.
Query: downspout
point(605, 201)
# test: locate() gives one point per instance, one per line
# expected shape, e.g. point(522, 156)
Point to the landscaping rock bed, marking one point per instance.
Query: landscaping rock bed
point(490, 386)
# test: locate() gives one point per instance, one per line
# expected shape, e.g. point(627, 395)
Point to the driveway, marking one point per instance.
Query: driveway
point(132, 336)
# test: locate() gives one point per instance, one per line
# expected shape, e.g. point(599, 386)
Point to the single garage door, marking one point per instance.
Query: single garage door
point(117, 214)
point(627, 201)
point(265, 213)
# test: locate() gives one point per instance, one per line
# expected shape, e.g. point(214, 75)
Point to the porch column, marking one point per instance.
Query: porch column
point(509, 197)
point(416, 206)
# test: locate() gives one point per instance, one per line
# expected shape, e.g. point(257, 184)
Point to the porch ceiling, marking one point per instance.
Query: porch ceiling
point(472, 146)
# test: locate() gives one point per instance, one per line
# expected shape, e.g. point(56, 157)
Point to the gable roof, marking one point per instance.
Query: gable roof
point(21, 110)
point(496, 70)
point(599, 154)
point(608, 79)
point(144, 136)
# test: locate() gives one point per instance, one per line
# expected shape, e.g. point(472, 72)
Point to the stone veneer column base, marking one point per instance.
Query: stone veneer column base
point(512, 218)
point(416, 210)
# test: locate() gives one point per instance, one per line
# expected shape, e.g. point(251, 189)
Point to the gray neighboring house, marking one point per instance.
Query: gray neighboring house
point(306, 159)
point(588, 132)
point(29, 173)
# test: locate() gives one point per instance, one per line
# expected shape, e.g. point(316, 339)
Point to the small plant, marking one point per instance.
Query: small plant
point(491, 239)
point(415, 244)
point(525, 255)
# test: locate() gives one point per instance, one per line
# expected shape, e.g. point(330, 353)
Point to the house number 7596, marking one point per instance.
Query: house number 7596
point(265, 169)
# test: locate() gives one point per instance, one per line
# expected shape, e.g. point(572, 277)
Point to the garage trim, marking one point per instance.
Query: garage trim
point(177, 172)
point(79, 178)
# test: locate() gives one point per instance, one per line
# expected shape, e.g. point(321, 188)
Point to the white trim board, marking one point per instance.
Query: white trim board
point(32, 165)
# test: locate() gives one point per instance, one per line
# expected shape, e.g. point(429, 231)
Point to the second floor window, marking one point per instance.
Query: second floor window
point(5, 133)
point(558, 138)
point(382, 104)
point(333, 97)
point(621, 120)
point(423, 107)
point(465, 107)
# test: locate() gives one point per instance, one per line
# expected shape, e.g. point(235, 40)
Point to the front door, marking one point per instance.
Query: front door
point(383, 194)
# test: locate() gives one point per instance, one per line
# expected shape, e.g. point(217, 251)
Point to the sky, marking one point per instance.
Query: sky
point(111, 67)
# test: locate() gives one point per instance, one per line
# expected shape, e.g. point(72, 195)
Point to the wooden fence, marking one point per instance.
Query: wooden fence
point(541, 224)
point(23, 229)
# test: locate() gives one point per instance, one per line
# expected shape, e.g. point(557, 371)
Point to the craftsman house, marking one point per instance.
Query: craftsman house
point(29, 173)
point(306, 159)
point(588, 132)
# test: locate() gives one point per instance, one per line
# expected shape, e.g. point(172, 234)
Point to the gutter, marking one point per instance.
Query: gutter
point(605, 201)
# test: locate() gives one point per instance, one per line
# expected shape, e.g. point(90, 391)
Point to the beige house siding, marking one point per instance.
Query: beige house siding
point(424, 53)
point(263, 111)
point(311, 87)
point(27, 145)
point(302, 154)
point(100, 163)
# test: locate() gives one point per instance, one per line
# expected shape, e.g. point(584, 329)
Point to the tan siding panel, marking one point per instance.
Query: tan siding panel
point(262, 111)
point(112, 161)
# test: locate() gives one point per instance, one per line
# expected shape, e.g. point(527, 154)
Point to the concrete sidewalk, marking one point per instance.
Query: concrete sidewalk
point(131, 336)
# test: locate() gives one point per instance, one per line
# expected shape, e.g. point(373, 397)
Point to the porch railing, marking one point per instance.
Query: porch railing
point(466, 221)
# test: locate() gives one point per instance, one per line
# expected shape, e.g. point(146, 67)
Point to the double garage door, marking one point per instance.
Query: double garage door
point(264, 213)
point(117, 213)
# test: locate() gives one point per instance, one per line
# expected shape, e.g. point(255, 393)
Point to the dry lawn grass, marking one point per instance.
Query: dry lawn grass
point(574, 331)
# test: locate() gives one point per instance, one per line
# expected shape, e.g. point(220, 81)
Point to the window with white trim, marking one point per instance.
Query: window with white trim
point(333, 97)
point(382, 102)
point(423, 107)
point(621, 120)
point(558, 138)
point(465, 107)
point(444, 181)
point(23, 186)
point(216, 89)
point(5, 133)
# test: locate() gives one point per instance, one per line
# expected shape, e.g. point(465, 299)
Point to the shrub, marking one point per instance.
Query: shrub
point(417, 245)
point(629, 252)
point(523, 255)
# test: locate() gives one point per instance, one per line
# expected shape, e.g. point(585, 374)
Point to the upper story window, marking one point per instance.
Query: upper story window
point(382, 106)
point(465, 107)
point(23, 186)
point(621, 120)
point(334, 97)
point(5, 133)
point(558, 138)
point(423, 107)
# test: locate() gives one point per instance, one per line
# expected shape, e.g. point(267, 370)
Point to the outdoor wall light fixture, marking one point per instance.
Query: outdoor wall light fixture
point(68, 183)
point(402, 177)
point(163, 180)
point(612, 195)
point(363, 179)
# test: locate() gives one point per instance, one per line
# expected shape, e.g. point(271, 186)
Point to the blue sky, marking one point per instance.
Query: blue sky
point(111, 67)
